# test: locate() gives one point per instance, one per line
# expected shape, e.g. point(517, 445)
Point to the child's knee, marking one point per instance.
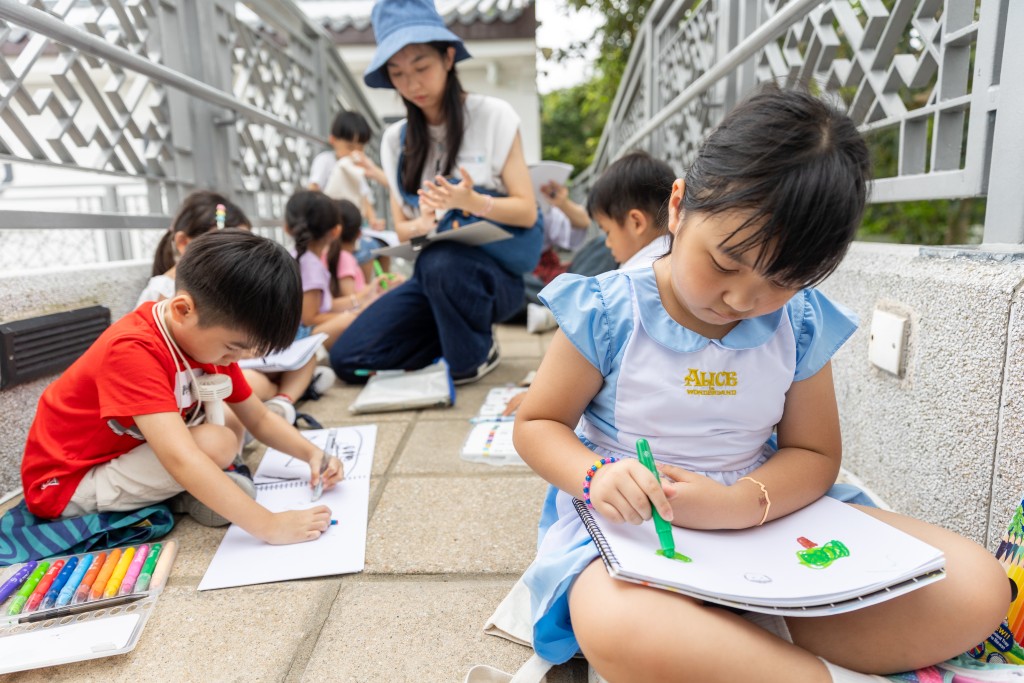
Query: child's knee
point(219, 443)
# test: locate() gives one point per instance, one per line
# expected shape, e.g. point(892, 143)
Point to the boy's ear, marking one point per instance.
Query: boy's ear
point(181, 306)
point(675, 205)
point(637, 222)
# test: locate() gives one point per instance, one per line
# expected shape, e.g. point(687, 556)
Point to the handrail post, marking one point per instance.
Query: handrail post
point(1004, 212)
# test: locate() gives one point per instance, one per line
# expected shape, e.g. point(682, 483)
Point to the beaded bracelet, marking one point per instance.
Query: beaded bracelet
point(767, 500)
point(591, 471)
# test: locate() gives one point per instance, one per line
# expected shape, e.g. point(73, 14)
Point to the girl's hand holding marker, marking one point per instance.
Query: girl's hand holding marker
point(624, 493)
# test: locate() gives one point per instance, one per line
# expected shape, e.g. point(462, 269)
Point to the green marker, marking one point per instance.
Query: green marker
point(664, 529)
point(146, 575)
point(22, 596)
point(378, 271)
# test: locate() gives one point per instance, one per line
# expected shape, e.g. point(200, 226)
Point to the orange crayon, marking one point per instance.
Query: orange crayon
point(117, 576)
point(82, 592)
point(100, 584)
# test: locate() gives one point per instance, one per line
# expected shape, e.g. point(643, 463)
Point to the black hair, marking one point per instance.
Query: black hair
point(351, 126)
point(197, 215)
point(798, 168)
point(351, 225)
point(242, 281)
point(417, 136)
point(308, 216)
point(635, 181)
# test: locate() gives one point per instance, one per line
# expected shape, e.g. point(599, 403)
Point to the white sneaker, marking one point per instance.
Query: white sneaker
point(282, 407)
point(539, 319)
point(323, 379)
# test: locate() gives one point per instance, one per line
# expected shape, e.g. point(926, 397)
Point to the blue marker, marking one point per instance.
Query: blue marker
point(68, 591)
point(58, 583)
point(12, 584)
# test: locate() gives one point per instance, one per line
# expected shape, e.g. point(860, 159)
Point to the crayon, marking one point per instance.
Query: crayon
point(134, 569)
point(68, 592)
point(104, 576)
point(82, 592)
point(44, 584)
point(21, 597)
point(50, 599)
point(12, 584)
point(163, 566)
point(146, 575)
point(117, 576)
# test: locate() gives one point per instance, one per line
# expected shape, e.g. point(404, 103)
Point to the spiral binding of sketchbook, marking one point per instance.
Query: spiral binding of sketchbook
point(775, 568)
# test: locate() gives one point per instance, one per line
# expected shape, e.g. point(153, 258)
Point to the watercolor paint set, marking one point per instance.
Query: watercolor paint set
point(77, 607)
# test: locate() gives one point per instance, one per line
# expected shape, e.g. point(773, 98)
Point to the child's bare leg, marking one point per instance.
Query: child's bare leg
point(219, 443)
point(334, 327)
point(263, 385)
point(295, 382)
point(633, 633)
point(923, 627)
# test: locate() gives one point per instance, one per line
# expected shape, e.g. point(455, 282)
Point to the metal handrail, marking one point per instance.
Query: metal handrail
point(48, 25)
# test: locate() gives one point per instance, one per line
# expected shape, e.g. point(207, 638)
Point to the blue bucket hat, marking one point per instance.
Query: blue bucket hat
point(397, 23)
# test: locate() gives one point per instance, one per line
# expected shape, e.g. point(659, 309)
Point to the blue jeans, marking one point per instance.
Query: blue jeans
point(446, 309)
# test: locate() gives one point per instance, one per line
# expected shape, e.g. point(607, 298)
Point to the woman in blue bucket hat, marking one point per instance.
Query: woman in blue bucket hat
point(455, 159)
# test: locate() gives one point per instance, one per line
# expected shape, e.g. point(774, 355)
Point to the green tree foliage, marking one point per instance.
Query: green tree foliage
point(573, 118)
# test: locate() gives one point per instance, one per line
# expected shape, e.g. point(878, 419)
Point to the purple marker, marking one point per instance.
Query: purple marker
point(11, 584)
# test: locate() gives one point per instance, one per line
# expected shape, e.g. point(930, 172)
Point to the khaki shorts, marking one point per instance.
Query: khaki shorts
point(128, 482)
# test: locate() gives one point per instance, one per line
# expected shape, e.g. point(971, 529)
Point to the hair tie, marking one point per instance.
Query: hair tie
point(221, 216)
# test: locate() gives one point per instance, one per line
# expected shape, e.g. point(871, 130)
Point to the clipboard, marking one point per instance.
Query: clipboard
point(473, 234)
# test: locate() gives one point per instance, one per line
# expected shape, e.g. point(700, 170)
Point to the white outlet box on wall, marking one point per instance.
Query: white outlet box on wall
point(888, 341)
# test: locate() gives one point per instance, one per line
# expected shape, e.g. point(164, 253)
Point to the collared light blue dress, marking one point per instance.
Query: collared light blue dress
point(707, 405)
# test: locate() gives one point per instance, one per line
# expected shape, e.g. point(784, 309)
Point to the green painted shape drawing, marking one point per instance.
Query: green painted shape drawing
point(822, 556)
point(675, 556)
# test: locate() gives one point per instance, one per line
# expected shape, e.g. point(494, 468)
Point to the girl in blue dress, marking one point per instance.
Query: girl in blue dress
point(723, 342)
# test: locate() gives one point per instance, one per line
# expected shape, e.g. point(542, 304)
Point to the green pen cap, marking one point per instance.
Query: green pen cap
point(664, 529)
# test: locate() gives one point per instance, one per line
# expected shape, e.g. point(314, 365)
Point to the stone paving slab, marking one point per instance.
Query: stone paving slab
point(417, 630)
point(455, 525)
point(240, 634)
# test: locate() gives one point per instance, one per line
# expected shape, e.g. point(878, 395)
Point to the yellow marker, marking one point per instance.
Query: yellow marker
point(114, 584)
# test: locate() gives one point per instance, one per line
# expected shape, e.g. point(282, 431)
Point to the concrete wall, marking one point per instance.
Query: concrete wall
point(31, 293)
point(942, 443)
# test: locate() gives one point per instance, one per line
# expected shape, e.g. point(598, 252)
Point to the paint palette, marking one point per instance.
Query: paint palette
point(42, 624)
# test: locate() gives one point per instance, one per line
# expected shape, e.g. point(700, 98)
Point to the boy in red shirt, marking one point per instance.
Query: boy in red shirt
point(122, 429)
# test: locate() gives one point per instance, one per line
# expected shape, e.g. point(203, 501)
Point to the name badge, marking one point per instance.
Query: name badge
point(184, 393)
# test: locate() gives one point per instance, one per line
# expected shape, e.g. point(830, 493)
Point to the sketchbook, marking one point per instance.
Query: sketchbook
point(473, 234)
point(490, 439)
point(544, 172)
point(826, 558)
point(292, 358)
point(282, 483)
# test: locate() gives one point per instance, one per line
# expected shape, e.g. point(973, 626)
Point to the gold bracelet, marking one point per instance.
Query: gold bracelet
point(767, 500)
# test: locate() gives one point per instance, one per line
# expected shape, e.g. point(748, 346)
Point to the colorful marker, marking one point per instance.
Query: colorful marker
point(12, 584)
point(329, 449)
point(134, 569)
point(117, 576)
point(163, 566)
point(71, 586)
point(82, 592)
point(378, 271)
point(664, 529)
point(146, 575)
point(21, 597)
point(334, 522)
point(44, 584)
point(104, 576)
point(487, 420)
point(50, 599)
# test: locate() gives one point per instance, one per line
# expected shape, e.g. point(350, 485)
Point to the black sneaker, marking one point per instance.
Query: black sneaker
point(493, 359)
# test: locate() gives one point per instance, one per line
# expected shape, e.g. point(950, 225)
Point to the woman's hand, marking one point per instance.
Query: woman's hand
point(445, 195)
point(624, 491)
point(556, 193)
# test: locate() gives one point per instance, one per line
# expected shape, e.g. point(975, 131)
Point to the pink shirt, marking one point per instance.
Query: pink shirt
point(348, 266)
